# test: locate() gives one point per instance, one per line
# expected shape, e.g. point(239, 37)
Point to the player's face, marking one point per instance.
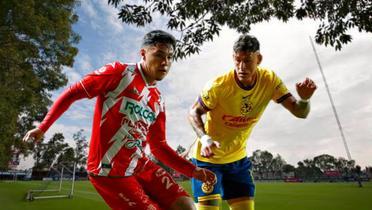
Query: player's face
point(157, 60)
point(246, 66)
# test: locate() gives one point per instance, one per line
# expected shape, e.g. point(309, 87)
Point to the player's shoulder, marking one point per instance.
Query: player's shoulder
point(266, 74)
point(115, 67)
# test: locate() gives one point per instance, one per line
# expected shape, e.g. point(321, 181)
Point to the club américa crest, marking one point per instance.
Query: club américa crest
point(246, 106)
point(207, 188)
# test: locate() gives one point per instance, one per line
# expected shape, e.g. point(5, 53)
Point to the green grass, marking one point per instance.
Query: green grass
point(269, 196)
point(12, 197)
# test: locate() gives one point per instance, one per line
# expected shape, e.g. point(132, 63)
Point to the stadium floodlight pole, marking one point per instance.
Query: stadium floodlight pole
point(331, 100)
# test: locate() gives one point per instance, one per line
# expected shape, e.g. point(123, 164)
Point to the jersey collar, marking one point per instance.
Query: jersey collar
point(241, 85)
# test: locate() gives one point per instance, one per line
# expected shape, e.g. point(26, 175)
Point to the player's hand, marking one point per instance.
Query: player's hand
point(33, 135)
point(306, 88)
point(207, 146)
point(204, 175)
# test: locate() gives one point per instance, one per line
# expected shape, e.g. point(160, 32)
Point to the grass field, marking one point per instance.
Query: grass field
point(269, 196)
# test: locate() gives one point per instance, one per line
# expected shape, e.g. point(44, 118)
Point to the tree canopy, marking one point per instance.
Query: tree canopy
point(198, 21)
point(36, 42)
point(57, 151)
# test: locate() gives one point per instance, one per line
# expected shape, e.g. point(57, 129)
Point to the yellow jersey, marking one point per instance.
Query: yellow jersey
point(234, 111)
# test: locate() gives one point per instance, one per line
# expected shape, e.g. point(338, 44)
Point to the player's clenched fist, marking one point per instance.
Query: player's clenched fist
point(204, 175)
point(306, 88)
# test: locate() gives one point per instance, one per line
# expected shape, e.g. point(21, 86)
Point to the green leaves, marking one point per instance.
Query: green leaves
point(36, 42)
point(198, 21)
point(134, 14)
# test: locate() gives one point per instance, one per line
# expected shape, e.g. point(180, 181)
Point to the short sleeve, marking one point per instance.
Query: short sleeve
point(209, 96)
point(280, 90)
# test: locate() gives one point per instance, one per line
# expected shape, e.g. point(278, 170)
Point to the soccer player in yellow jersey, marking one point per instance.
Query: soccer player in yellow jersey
point(233, 103)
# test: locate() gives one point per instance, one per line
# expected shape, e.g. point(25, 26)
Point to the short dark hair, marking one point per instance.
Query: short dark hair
point(246, 42)
point(158, 36)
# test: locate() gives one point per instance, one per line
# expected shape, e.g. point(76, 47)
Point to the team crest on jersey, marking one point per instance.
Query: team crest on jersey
point(246, 106)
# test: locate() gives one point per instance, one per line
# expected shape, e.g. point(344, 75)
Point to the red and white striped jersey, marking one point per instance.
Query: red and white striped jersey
point(129, 114)
point(126, 108)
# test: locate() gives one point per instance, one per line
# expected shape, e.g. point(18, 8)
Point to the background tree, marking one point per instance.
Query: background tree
point(57, 151)
point(288, 168)
point(261, 161)
point(198, 21)
point(308, 170)
point(38, 150)
point(80, 151)
point(325, 162)
point(276, 165)
point(48, 153)
point(36, 41)
point(344, 166)
point(66, 158)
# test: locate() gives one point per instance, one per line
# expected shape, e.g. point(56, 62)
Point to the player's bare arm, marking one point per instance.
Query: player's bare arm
point(301, 108)
point(195, 118)
point(196, 121)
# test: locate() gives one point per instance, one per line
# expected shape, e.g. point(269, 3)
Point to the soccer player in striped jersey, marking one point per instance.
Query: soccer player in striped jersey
point(129, 114)
point(233, 104)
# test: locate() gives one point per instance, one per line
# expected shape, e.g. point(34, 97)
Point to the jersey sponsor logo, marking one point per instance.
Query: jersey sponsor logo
point(237, 121)
point(135, 108)
point(140, 126)
point(246, 106)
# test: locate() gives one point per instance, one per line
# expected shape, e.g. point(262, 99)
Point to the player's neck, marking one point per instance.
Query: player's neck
point(148, 79)
point(249, 82)
point(246, 84)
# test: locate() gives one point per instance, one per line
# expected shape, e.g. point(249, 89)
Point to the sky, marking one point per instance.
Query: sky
point(286, 49)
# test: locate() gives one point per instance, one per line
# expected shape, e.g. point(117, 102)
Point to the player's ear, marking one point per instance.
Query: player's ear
point(143, 53)
point(259, 58)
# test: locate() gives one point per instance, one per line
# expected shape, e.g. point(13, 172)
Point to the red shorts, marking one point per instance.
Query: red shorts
point(152, 189)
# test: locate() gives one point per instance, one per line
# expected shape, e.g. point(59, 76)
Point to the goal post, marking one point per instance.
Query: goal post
point(65, 174)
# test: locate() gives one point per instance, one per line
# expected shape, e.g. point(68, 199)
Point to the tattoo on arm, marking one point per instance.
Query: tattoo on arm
point(196, 121)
